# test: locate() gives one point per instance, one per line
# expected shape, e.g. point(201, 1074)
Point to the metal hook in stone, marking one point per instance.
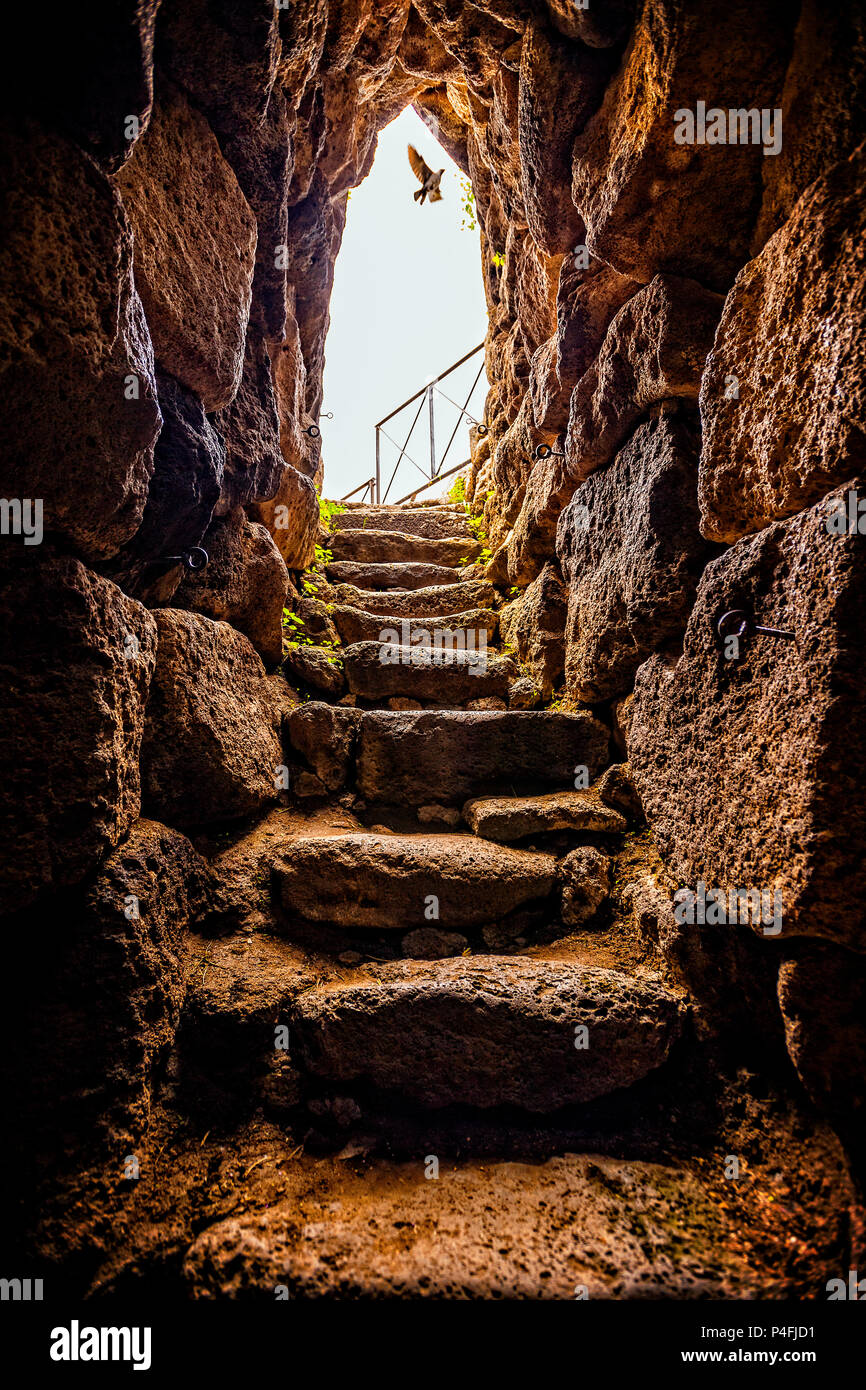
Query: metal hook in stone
point(544, 451)
point(327, 415)
point(313, 431)
point(747, 627)
point(194, 559)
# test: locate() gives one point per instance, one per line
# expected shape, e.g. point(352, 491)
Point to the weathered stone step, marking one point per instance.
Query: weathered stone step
point(389, 547)
point(410, 758)
point(499, 1031)
point(432, 602)
point(487, 1229)
point(356, 625)
point(423, 673)
point(432, 522)
point(409, 574)
point(386, 881)
point(506, 818)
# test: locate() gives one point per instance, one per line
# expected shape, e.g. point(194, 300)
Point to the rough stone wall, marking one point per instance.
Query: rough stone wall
point(681, 325)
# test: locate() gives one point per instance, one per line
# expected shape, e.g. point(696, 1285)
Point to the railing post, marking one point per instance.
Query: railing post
point(378, 498)
point(432, 432)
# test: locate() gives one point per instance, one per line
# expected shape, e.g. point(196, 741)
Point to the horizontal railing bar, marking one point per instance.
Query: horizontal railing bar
point(431, 382)
point(357, 489)
point(439, 477)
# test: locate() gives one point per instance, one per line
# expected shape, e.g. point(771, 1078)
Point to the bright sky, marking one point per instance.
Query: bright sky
point(408, 301)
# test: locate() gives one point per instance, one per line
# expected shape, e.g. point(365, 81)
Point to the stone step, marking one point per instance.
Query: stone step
point(423, 673)
point(410, 574)
point(432, 602)
point(412, 758)
point(434, 523)
point(501, 1030)
point(356, 625)
point(363, 879)
point(396, 547)
point(487, 1229)
point(506, 818)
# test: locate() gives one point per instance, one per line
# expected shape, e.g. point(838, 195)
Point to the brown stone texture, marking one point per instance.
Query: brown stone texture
point(631, 569)
point(210, 750)
point(451, 674)
point(406, 758)
point(586, 301)
point(791, 341)
point(356, 625)
point(245, 583)
point(507, 818)
point(188, 468)
point(193, 269)
point(292, 517)
point(325, 735)
point(823, 104)
point(380, 547)
point(587, 875)
point(449, 1030)
point(417, 604)
point(320, 667)
point(385, 881)
point(76, 362)
point(536, 627)
point(111, 971)
point(78, 657)
point(254, 466)
point(751, 771)
point(529, 1230)
point(654, 350)
point(822, 995)
point(650, 204)
point(561, 84)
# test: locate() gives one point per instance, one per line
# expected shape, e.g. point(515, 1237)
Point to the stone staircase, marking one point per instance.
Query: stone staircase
point(429, 1047)
point(432, 921)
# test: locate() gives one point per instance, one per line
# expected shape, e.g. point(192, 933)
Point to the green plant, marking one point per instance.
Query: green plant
point(327, 510)
point(457, 491)
point(469, 221)
point(498, 259)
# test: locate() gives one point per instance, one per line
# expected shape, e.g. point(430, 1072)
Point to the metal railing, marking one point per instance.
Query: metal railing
point(371, 488)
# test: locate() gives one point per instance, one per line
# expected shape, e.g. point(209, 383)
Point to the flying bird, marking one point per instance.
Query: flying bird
point(429, 181)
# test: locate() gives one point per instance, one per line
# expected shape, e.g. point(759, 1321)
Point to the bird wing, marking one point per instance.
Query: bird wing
point(419, 168)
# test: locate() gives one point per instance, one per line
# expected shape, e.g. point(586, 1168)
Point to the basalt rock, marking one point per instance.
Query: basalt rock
point(189, 461)
point(654, 350)
point(385, 881)
point(193, 269)
point(77, 361)
point(536, 626)
point(751, 770)
point(254, 466)
point(631, 571)
point(460, 1023)
point(78, 657)
point(411, 759)
point(783, 402)
point(245, 583)
point(292, 517)
point(211, 749)
point(651, 204)
point(326, 736)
